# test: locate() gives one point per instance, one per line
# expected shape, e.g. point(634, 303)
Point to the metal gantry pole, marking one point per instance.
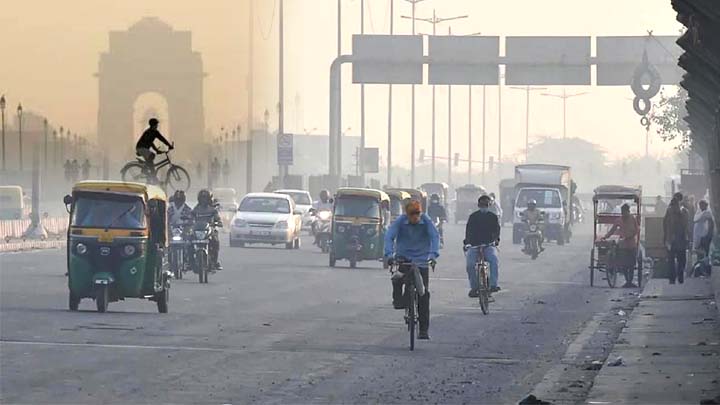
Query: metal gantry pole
point(470, 134)
point(250, 87)
point(484, 139)
point(361, 152)
point(390, 98)
point(2, 112)
point(281, 95)
point(339, 140)
point(499, 155)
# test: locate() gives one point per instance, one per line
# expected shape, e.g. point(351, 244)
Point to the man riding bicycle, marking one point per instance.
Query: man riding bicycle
point(146, 144)
point(413, 236)
point(483, 228)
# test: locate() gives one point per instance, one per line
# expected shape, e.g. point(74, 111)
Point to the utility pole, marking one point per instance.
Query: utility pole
point(45, 129)
point(527, 90)
point(2, 113)
point(19, 114)
point(361, 153)
point(250, 86)
point(390, 97)
point(435, 20)
point(338, 146)
point(499, 155)
point(470, 134)
point(281, 96)
point(412, 108)
point(483, 136)
point(449, 137)
point(564, 96)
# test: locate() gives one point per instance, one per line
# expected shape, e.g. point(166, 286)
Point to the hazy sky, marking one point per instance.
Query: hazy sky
point(50, 52)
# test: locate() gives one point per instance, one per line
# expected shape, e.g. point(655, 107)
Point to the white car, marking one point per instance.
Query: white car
point(303, 202)
point(266, 218)
point(226, 198)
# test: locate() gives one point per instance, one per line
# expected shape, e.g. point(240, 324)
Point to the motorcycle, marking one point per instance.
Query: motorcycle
point(322, 227)
point(202, 232)
point(178, 251)
point(533, 240)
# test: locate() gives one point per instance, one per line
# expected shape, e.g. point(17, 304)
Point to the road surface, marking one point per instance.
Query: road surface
point(280, 326)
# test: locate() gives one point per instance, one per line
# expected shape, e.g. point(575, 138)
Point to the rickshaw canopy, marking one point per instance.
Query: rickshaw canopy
point(362, 192)
point(147, 191)
point(399, 194)
point(615, 192)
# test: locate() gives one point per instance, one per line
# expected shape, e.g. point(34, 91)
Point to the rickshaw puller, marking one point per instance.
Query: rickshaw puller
point(627, 227)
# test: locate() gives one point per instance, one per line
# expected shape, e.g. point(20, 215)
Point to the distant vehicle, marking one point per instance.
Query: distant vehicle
point(303, 202)
point(440, 189)
point(507, 199)
point(552, 188)
point(466, 201)
point(11, 202)
point(266, 218)
point(226, 199)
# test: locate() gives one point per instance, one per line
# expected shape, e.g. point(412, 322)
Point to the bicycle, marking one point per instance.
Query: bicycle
point(482, 272)
point(414, 289)
point(176, 177)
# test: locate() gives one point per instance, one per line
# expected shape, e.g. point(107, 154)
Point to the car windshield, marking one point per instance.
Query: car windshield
point(265, 204)
point(299, 198)
point(357, 207)
point(544, 198)
point(108, 211)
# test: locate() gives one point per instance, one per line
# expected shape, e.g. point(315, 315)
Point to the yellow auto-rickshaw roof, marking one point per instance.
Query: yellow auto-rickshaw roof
point(363, 192)
point(398, 193)
point(148, 191)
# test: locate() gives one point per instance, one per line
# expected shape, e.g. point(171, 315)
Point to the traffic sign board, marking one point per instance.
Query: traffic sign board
point(463, 60)
point(619, 56)
point(387, 59)
point(547, 60)
point(285, 149)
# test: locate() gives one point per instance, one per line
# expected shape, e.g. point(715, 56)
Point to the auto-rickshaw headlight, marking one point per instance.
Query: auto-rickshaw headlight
point(129, 250)
point(81, 249)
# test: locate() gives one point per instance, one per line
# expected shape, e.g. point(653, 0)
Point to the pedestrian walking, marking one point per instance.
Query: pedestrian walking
point(703, 230)
point(215, 170)
point(68, 170)
point(86, 169)
point(676, 237)
point(199, 170)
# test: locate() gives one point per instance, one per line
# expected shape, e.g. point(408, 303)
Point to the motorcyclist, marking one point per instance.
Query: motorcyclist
point(413, 236)
point(206, 212)
point(437, 214)
point(146, 144)
point(324, 203)
point(483, 228)
point(532, 216)
point(179, 211)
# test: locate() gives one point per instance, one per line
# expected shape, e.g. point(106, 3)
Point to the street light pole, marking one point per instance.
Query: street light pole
point(527, 90)
point(435, 20)
point(390, 97)
point(281, 105)
point(2, 112)
point(250, 84)
point(361, 157)
point(55, 149)
point(45, 128)
point(564, 96)
point(19, 114)
point(412, 108)
point(470, 134)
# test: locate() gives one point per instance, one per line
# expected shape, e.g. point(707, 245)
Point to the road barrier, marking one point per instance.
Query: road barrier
point(15, 229)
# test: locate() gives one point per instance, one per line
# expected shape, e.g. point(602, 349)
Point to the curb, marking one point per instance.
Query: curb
point(31, 245)
point(715, 283)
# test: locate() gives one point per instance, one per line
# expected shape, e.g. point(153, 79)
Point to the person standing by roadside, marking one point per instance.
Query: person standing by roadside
point(660, 206)
point(86, 169)
point(703, 230)
point(676, 237)
point(226, 172)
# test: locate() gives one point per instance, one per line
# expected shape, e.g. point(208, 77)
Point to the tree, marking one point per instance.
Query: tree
point(670, 118)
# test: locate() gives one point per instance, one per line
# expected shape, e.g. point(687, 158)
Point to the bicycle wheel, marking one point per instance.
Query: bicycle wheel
point(134, 171)
point(484, 290)
point(177, 178)
point(611, 276)
point(412, 318)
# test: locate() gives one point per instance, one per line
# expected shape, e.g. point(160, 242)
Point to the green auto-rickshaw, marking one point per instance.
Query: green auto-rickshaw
point(397, 202)
point(466, 201)
point(360, 216)
point(117, 241)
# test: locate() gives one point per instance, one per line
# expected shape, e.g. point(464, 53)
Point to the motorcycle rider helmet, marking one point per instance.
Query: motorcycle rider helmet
point(153, 122)
point(204, 197)
point(324, 195)
point(484, 201)
point(531, 204)
point(435, 199)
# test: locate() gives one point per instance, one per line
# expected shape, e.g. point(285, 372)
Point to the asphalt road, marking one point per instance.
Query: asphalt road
point(280, 326)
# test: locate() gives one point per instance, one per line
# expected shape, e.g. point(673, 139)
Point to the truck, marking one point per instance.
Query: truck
point(551, 186)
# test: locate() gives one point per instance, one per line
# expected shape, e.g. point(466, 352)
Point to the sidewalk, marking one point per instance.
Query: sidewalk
point(670, 349)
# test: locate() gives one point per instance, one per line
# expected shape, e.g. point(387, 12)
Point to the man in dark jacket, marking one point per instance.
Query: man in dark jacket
point(145, 146)
point(483, 228)
point(675, 228)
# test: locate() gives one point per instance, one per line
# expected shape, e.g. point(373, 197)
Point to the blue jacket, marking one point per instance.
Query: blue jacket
point(418, 242)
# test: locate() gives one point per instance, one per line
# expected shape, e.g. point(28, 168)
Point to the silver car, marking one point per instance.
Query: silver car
point(266, 218)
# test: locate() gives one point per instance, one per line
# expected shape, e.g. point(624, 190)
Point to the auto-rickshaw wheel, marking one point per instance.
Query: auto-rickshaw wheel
point(101, 298)
point(73, 302)
point(162, 299)
point(332, 259)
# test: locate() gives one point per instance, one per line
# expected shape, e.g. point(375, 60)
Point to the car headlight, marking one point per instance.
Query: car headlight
point(240, 223)
point(129, 250)
point(81, 249)
point(281, 225)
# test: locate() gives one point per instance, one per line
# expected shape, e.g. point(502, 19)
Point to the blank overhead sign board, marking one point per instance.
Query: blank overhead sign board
point(388, 59)
point(547, 60)
point(617, 58)
point(463, 60)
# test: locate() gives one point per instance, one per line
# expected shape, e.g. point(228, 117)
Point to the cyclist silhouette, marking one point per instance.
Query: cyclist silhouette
point(146, 144)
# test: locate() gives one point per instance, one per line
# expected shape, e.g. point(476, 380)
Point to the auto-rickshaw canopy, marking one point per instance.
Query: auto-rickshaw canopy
point(147, 191)
point(362, 192)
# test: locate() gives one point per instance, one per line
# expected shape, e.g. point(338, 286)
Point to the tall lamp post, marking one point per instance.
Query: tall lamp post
point(2, 112)
point(19, 114)
point(564, 96)
point(45, 129)
point(435, 20)
point(527, 90)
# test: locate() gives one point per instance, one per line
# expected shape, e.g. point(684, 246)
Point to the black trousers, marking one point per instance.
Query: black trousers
point(676, 260)
point(423, 302)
